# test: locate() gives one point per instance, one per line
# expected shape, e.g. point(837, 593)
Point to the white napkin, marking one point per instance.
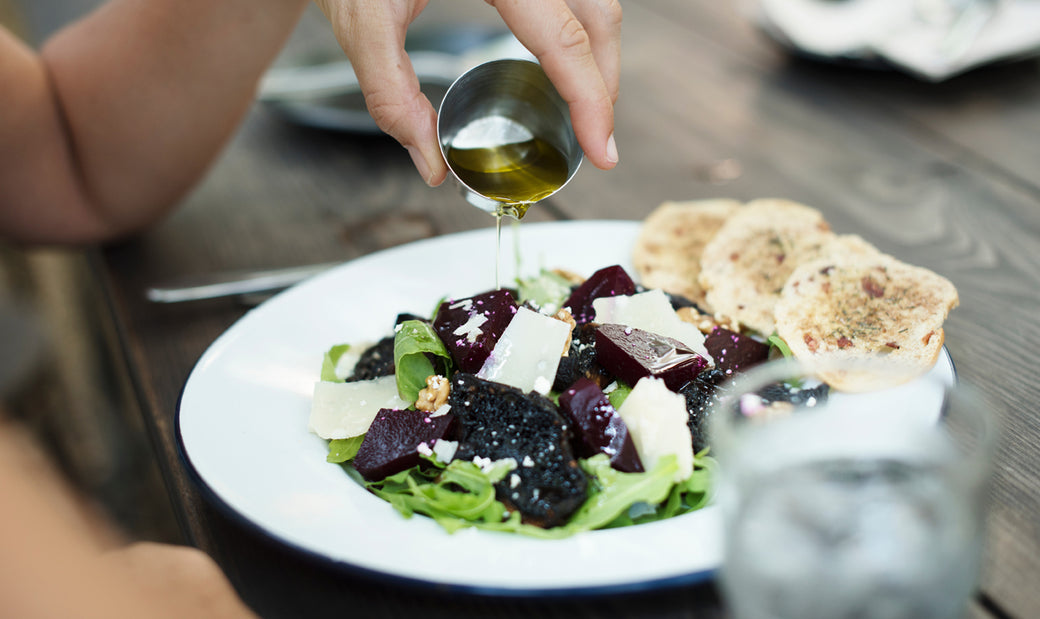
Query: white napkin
point(932, 45)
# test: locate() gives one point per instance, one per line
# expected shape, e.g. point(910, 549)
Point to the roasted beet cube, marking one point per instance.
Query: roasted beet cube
point(702, 393)
point(631, 354)
point(377, 360)
point(392, 442)
point(496, 421)
point(606, 282)
point(580, 360)
point(734, 352)
point(470, 327)
point(599, 427)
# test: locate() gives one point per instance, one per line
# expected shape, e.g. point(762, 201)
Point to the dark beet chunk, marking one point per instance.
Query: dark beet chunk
point(734, 352)
point(392, 442)
point(470, 327)
point(580, 360)
point(599, 427)
point(376, 361)
point(701, 394)
point(795, 394)
point(497, 421)
point(607, 282)
point(631, 354)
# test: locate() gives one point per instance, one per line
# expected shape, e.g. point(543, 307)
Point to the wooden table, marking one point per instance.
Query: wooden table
point(940, 175)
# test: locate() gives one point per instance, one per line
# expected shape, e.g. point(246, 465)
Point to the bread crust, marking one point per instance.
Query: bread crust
point(667, 253)
point(744, 267)
point(858, 305)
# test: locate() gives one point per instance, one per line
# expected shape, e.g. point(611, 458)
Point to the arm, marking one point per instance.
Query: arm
point(122, 112)
point(576, 41)
point(58, 560)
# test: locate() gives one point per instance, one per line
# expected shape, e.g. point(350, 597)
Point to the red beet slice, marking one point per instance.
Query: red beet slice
point(599, 427)
point(734, 352)
point(611, 281)
point(392, 442)
point(470, 327)
point(631, 354)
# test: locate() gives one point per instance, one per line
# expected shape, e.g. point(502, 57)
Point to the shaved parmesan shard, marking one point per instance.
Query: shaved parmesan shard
point(651, 311)
point(656, 420)
point(528, 353)
point(344, 410)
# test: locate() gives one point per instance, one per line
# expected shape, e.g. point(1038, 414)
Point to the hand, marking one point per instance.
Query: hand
point(183, 581)
point(576, 41)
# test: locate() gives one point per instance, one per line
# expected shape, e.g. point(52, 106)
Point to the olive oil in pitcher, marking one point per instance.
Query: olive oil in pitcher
point(506, 135)
point(516, 174)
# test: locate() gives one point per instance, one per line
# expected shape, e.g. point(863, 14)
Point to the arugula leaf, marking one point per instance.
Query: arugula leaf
point(344, 449)
point(456, 495)
point(777, 343)
point(461, 494)
point(413, 342)
point(613, 492)
point(328, 363)
point(547, 291)
point(618, 394)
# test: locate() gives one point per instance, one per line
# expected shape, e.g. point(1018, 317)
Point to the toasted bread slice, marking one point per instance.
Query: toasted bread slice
point(667, 253)
point(858, 305)
point(744, 267)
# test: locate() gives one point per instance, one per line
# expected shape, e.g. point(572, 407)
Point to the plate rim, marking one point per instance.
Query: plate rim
point(344, 566)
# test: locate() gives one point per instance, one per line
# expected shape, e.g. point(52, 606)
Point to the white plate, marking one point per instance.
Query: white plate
point(242, 426)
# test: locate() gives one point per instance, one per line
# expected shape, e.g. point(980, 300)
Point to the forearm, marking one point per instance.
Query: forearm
point(123, 111)
point(61, 561)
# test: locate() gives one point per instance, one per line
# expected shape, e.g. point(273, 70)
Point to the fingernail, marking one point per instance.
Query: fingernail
point(612, 154)
point(420, 164)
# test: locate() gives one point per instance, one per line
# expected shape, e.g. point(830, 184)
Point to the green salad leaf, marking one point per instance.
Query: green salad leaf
point(414, 343)
point(344, 449)
point(777, 343)
point(457, 495)
point(328, 364)
point(618, 394)
point(547, 290)
point(462, 494)
point(612, 492)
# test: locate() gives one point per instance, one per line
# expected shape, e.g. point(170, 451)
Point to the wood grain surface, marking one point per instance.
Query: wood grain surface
point(939, 175)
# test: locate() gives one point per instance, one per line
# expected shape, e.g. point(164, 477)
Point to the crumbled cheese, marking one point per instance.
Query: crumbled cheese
point(443, 410)
point(514, 480)
point(424, 449)
point(528, 462)
point(471, 328)
point(487, 464)
point(542, 384)
point(445, 450)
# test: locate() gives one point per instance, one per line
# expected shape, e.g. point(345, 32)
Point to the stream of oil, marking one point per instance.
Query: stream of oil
point(516, 175)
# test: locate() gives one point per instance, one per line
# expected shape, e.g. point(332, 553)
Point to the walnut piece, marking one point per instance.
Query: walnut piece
point(705, 323)
point(435, 395)
point(570, 276)
point(564, 315)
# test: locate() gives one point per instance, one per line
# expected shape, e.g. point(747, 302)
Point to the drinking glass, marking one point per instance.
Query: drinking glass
point(837, 504)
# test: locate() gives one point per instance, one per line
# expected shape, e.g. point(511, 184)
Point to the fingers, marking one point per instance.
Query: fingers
point(372, 33)
point(602, 20)
point(576, 41)
point(578, 45)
